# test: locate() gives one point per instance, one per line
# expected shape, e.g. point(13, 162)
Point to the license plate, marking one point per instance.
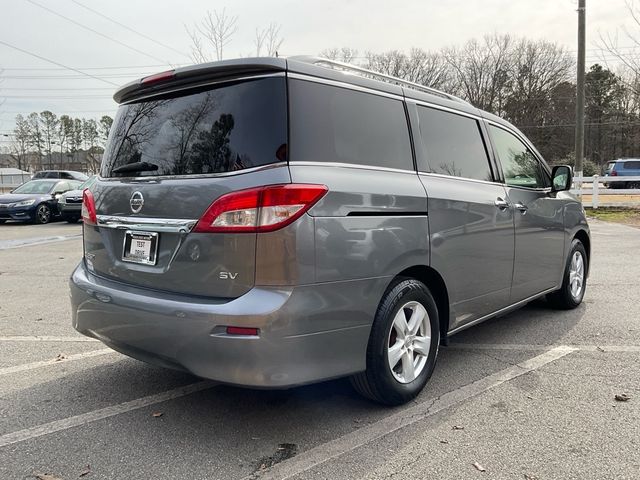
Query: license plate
point(140, 247)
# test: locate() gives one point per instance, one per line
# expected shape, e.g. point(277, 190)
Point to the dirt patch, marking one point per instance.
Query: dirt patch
point(282, 453)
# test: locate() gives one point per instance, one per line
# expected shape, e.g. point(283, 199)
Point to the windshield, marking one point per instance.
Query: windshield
point(87, 183)
point(36, 187)
point(232, 127)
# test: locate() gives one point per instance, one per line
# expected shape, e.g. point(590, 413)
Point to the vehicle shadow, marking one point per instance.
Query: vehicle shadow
point(251, 425)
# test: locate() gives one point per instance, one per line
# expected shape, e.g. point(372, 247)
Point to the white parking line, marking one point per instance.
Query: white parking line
point(55, 361)
point(27, 242)
point(335, 448)
point(78, 420)
point(523, 347)
point(44, 338)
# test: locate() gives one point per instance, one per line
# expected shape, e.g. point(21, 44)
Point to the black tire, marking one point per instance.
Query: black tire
point(2, 221)
point(43, 214)
point(634, 185)
point(379, 382)
point(565, 299)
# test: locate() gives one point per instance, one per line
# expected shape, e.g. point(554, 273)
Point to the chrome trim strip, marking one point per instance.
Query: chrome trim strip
point(170, 225)
point(498, 312)
point(195, 175)
point(441, 175)
point(348, 165)
point(443, 108)
point(350, 86)
point(204, 83)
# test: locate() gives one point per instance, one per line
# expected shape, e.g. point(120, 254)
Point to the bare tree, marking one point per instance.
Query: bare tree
point(20, 142)
point(419, 66)
point(610, 42)
point(214, 31)
point(268, 39)
point(344, 54)
point(481, 70)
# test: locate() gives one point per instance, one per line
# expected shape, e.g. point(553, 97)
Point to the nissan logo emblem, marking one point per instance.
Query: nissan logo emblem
point(136, 202)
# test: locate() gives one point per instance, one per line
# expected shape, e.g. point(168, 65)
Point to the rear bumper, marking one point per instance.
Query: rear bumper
point(307, 333)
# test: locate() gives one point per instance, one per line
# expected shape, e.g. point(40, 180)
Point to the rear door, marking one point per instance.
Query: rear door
point(539, 217)
point(470, 223)
point(197, 144)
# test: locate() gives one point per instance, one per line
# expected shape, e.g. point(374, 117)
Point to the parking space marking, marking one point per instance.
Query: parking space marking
point(27, 242)
point(44, 338)
point(349, 442)
point(523, 347)
point(55, 361)
point(83, 419)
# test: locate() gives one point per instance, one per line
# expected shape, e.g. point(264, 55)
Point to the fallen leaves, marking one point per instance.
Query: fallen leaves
point(60, 357)
point(157, 414)
point(86, 471)
point(457, 427)
point(479, 467)
point(622, 397)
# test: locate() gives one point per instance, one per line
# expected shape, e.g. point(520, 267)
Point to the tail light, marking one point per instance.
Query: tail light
point(88, 213)
point(158, 77)
point(613, 173)
point(262, 209)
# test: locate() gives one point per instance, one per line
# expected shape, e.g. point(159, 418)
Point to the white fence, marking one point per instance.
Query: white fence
point(12, 180)
point(599, 190)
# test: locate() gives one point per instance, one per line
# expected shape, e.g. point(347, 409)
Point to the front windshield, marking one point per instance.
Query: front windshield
point(36, 187)
point(87, 183)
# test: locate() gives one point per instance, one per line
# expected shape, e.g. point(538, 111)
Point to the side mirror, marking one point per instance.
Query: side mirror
point(562, 178)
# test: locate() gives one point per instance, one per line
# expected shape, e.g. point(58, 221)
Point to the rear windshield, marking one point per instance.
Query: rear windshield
point(232, 127)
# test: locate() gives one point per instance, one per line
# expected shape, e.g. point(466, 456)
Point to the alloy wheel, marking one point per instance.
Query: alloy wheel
point(576, 274)
point(409, 342)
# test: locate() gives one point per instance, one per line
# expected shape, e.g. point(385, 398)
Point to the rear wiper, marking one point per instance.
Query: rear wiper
point(136, 167)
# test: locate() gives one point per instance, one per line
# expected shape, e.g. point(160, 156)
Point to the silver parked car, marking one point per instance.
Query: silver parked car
point(275, 222)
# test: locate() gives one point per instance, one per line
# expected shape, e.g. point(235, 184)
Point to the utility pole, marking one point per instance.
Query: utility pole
point(580, 95)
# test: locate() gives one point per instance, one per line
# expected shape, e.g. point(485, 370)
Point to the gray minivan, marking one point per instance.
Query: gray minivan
point(274, 222)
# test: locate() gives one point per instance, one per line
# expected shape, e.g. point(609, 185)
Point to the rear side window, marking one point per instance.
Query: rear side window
point(333, 124)
point(631, 165)
point(453, 145)
point(232, 127)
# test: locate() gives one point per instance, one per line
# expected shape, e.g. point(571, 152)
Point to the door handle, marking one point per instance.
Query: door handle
point(522, 207)
point(501, 204)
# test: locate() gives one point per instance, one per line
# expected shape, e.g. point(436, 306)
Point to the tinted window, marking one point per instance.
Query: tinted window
point(228, 128)
point(631, 165)
point(453, 145)
point(332, 124)
point(519, 166)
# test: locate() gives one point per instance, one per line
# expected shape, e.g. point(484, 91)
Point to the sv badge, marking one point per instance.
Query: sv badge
point(228, 275)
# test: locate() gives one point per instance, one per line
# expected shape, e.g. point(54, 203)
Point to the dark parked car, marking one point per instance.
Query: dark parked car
point(70, 203)
point(275, 222)
point(35, 200)
point(62, 174)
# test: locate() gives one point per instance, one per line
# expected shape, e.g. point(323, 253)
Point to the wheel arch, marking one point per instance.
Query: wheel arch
point(583, 236)
point(432, 279)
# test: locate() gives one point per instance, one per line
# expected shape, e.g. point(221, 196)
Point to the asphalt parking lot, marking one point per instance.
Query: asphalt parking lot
point(530, 395)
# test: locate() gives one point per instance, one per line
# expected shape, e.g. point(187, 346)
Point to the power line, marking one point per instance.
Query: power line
point(161, 65)
point(57, 63)
point(129, 28)
point(53, 12)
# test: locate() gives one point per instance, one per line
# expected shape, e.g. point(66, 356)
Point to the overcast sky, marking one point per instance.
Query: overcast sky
point(29, 84)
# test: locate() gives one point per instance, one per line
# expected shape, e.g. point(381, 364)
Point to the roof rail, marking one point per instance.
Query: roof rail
point(347, 67)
